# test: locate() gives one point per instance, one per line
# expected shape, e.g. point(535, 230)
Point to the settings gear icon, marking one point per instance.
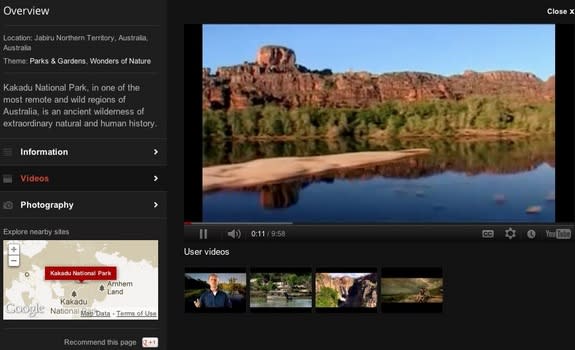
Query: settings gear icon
point(510, 233)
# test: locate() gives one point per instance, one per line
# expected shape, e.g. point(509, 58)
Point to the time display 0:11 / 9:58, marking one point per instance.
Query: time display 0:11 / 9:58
point(268, 234)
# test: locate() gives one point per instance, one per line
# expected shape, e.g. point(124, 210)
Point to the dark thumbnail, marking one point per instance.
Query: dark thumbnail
point(412, 290)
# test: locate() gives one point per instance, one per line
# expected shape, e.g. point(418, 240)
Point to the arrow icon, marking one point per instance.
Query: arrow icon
point(156, 178)
point(156, 151)
point(155, 205)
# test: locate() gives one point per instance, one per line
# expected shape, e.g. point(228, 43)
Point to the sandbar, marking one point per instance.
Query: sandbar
point(272, 170)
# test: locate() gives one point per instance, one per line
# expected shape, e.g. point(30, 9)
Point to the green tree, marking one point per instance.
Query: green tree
point(395, 123)
point(214, 125)
point(236, 122)
point(326, 297)
point(249, 119)
point(361, 128)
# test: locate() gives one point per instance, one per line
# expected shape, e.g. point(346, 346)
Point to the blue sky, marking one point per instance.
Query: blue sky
point(440, 49)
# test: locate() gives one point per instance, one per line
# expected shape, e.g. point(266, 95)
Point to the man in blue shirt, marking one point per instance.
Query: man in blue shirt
point(213, 298)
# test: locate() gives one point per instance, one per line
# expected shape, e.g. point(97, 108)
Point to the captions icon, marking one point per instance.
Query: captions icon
point(488, 234)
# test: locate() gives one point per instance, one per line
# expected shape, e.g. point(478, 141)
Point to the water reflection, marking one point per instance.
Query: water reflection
point(470, 157)
point(458, 181)
point(281, 195)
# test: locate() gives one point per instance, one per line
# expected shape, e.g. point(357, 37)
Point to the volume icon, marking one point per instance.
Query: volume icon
point(235, 234)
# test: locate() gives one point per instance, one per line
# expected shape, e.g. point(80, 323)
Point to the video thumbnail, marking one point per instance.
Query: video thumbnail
point(423, 126)
point(217, 290)
point(346, 291)
point(281, 290)
point(412, 290)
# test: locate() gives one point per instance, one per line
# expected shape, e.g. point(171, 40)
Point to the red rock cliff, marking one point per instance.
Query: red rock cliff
point(275, 77)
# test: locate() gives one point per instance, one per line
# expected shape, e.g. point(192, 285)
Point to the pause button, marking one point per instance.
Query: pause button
point(203, 233)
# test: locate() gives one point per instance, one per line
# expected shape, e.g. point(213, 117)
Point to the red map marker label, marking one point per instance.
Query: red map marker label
point(80, 273)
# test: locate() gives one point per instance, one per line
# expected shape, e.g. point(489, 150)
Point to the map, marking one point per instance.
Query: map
point(80, 280)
